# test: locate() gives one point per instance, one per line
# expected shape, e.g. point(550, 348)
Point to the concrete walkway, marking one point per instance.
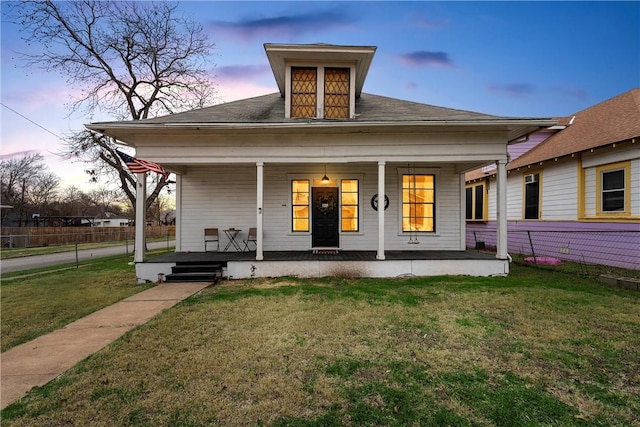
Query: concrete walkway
point(37, 362)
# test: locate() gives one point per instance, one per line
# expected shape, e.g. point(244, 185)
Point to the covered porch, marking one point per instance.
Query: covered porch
point(243, 265)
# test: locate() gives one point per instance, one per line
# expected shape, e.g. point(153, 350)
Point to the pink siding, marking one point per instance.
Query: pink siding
point(613, 244)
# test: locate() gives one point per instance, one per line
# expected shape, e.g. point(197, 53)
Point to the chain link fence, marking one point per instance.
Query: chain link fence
point(593, 251)
point(33, 237)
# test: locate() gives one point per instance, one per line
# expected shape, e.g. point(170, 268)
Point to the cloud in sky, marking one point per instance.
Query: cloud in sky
point(516, 90)
point(241, 72)
point(424, 58)
point(283, 25)
point(432, 24)
point(16, 154)
point(573, 93)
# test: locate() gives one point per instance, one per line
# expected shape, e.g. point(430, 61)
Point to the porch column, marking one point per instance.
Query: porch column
point(501, 211)
point(380, 254)
point(141, 223)
point(178, 236)
point(463, 213)
point(259, 199)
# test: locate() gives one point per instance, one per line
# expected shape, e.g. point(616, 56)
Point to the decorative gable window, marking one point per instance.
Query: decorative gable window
point(336, 93)
point(320, 92)
point(303, 92)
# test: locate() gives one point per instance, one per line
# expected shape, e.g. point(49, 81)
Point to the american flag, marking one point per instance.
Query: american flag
point(141, 166)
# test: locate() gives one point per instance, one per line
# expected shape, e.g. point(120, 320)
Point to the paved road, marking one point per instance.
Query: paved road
point(37, 261)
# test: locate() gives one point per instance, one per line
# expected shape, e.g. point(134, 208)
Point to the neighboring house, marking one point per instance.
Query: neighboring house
point(573, 192)
point(373, 185)
point(111, 222)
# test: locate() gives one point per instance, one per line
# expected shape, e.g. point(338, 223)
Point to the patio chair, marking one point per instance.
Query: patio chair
point(251, 238)
point(211, 235)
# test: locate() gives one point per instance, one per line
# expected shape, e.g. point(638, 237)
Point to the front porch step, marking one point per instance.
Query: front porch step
point(193, 268)
point(195, 272)
point(193, 277)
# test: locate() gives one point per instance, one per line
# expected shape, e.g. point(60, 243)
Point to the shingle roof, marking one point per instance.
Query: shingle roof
point(270, 109)
point(611, 121)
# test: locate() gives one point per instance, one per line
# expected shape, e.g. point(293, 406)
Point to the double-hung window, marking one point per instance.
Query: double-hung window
point(349, 204)
point(613, 191)
point(613, 182)
point(476, 206)
point(532, 196)
point(418, 202)
point(300, 204)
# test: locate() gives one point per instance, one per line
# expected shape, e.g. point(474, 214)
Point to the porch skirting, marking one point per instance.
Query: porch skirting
point(342, 264)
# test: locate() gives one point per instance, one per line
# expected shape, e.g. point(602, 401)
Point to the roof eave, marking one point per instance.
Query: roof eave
point(515, 128)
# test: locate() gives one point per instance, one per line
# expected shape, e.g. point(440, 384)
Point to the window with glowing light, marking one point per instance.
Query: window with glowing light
point(303, 92)
point(336, 93)
point(418, 203)
point(349, 204)
point(300, 205)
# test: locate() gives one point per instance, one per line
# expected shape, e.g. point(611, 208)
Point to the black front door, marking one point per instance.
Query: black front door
point(324, 217)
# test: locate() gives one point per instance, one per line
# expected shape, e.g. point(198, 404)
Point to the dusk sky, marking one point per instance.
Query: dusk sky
point(525, 59)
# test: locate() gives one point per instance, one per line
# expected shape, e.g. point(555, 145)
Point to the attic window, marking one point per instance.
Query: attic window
point(303, 92)
point(336, 93)
point(320, 92)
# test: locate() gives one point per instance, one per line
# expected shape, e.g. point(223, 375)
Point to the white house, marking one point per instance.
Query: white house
point(334, 180)
point(573, 190)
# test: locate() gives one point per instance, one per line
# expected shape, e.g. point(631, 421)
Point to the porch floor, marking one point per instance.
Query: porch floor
point(222, 257)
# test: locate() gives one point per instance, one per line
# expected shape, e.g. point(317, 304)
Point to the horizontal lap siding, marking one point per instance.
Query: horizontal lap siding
point(608, 156)
point(590, 192)
point(277, 208)
point(225, 196)
point(635, 187)
point(219, 197)
point(559, 191)
point(514, 195)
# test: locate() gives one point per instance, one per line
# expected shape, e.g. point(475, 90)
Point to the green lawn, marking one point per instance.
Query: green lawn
point(38, 301)
point(532, 349)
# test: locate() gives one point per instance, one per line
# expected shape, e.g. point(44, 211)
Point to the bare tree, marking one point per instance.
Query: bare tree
point(105, 202)
point(130, 60)
point(73, 202)
point(26, 184)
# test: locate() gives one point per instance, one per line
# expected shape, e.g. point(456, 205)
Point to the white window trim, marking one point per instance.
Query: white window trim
point(310, 178)
point(436, 208)
point(485, 201)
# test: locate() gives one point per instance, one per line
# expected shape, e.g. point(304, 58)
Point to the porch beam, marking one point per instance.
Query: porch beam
point(141, 201)
point(381, 182)
point(501, 211)
point(259, 202)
